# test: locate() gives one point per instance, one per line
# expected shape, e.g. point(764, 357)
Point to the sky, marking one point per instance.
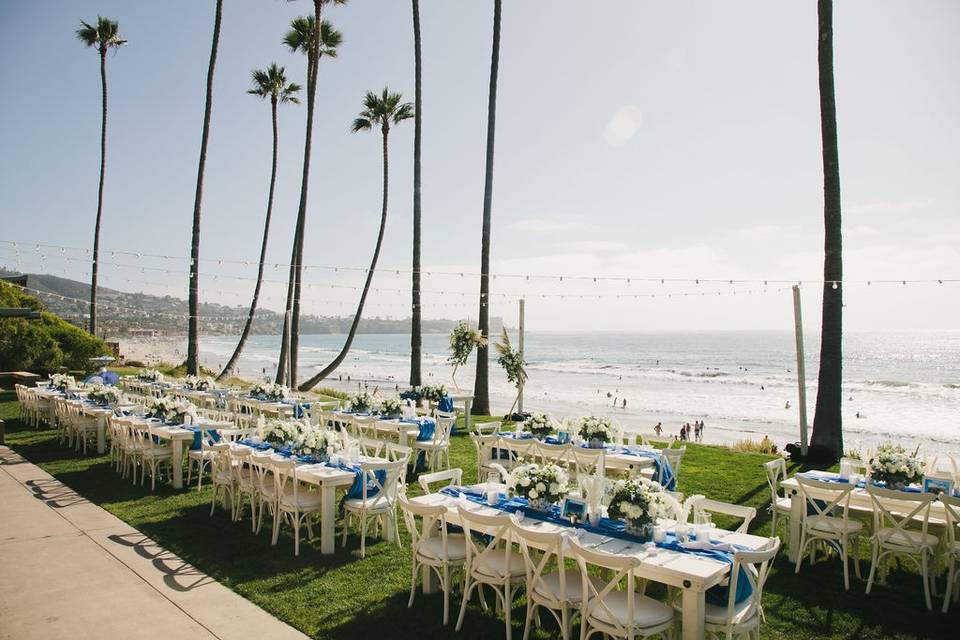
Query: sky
point(639, 140)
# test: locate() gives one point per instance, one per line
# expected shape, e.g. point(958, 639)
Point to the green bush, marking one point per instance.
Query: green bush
point(42, 345)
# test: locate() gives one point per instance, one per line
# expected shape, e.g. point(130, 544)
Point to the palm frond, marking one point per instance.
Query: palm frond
point(361, 124)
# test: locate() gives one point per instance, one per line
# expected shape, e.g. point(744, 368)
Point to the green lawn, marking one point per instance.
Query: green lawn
point(342, 596)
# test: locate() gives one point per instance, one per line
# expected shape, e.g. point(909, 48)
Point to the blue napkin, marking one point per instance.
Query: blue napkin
point(198, 437)
point(445, 404)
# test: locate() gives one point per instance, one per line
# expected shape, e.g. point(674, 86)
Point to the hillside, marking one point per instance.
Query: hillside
point(122, 311)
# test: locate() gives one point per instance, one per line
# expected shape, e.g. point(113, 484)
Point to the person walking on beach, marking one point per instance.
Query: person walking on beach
point(624, 403)
point(683, 433)
point(658, 429)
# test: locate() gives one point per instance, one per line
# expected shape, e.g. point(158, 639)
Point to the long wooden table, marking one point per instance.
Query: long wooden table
point(691, 573)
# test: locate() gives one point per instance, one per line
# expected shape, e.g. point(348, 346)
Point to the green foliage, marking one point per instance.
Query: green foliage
point(43, 345)
point(512, 361)
point(463, 340)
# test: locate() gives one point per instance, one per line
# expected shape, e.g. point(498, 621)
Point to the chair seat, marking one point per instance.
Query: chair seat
point(549, 586)
point(906, 538)
point(783, 505)
point(222, 477)
point(376, 503)
point(493, 565)
point(426, 444)
point(156, 452)
point(717, 614)
point(432, 548)
point(305, 500)
point(830, 524)
point(198, 454)
point(647, 612)
point(268, 491)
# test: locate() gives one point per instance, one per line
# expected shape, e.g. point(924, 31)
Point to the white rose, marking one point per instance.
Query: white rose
point(541, 486)
point(533, 494)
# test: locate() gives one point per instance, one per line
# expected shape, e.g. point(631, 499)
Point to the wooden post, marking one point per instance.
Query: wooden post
point(522, 305)
point(801, 369)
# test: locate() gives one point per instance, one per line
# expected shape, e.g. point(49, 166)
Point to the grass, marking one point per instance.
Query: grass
point(343, 596)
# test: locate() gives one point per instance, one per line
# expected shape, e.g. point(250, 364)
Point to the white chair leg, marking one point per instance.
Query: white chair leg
point(874, 559)
point(949, 592)
point(469, 585)
point(926, 580)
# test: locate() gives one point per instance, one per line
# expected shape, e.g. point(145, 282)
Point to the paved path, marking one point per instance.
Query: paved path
point(69, 569)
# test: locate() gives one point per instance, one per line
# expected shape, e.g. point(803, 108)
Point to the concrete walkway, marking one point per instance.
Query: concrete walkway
point(69, 569)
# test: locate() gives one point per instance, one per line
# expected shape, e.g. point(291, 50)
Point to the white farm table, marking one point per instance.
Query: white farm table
point(859, 501)
point(691, 573)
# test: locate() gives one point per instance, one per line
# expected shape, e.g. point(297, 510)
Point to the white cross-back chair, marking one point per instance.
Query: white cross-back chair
point(451, 477)
point(261, 465)
point(486, 447)
point(295, 502)
point(555, 453)
point(244, 484)
point(200, 458)
point(550, 584)
point(486, 428)
point(491, 561)
point(820, 523)
point(674, 457)
point(703, 508)
point(780, 507)
point(153, 456)
point(895, 515)
point(437, 449)
point(744, 618)
point(951, 553)
point(612, 611)
point(433, 546)
point(221, 475)
point(586, 462)
point(378, 501)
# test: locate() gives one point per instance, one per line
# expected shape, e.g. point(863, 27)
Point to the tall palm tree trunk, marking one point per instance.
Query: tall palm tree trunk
point(296, 262)
point(312, 382)
point(827, 422)
point(263, 251)
point(103, 169)
point(416, 339)
point(481, 389)
point(193, 341)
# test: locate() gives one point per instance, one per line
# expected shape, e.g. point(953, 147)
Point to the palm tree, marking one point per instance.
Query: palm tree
point(271, 84)
point(415, 311)
point(316, 42)
point(481, 388)
point(104, 36)
point(827, 421)
point(193, 339)
point(381, 110)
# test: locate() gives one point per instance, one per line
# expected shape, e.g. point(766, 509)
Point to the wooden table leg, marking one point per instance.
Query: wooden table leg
point(693, 608)
point(102, 433)
point(328, 531)
point(467, 422)
point(177, 463)
point(796, 520)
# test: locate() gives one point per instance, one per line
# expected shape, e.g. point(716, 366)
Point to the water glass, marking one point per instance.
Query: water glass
point(659, 534)
point(493, 477)
point(493, 497)
point(683, 532)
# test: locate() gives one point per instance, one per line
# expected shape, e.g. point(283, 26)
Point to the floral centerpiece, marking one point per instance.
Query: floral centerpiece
point(639, 502)
point(433, 393)
point(361, 402)
point(280, 433)
point(895, 467)
point(413, 394)
point(541, 484)
point(150, 375)
point(197, 383)
point(269, 391)
point(62, 381)
point(105, 394)
point(392, 407)
point(539, 424)
point(314, 440)
point(171, 410)
point(596, 431)
point(463, 340)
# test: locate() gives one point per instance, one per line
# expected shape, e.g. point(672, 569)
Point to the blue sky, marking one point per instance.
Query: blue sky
point(637, 139)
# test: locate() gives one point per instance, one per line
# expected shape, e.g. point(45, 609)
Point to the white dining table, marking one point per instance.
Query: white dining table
point(859, 500)
point(691, 573)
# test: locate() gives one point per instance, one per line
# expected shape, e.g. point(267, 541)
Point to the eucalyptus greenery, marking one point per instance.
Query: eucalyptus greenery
point(513, 363)
point(463, 340)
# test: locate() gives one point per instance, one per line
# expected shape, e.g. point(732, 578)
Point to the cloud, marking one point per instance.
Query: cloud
point(888, 207)
point(545, 225)
point(624, 124)
point(590, 246)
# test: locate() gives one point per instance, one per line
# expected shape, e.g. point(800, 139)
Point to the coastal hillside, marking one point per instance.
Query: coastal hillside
point(124, 312)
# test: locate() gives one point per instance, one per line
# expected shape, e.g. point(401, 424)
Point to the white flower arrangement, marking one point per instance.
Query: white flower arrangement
point(640, 502)
point(198, 383)
point(314, 440)
point(62, 381)
point(391, 406)
point(281, 432)
point(269, 391)
point(539, 424)
point(105, 394)
point(546, 482)
point(362, 402)
point(171, 410)
point(435, 393)
point(150, 375)
point(893, 465)
point(594, 428)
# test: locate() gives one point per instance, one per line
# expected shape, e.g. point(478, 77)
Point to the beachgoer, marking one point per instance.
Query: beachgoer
point(624, 403)
point(614, 402)
point(787, 406)
point(658, 429)
point(683, 432)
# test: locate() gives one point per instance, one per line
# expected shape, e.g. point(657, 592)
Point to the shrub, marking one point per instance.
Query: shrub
point(46, 344)
point(765, 445)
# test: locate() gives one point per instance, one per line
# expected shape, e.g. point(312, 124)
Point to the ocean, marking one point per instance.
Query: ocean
point(901, 387)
